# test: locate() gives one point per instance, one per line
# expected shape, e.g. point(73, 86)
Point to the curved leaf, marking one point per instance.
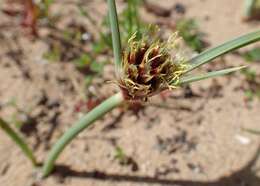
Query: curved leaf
point(193, 78)
point(18, 140)
point(215, 52)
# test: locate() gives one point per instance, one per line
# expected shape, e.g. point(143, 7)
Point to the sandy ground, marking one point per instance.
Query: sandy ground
point(191, 140)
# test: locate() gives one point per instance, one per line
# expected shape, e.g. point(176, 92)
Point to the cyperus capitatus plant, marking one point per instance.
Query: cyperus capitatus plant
point(146, 68)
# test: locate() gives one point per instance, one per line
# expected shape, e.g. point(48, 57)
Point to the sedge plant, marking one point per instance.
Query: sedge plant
point(145, 68)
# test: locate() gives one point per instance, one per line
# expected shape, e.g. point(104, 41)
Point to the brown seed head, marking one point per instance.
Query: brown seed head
point(148, 66)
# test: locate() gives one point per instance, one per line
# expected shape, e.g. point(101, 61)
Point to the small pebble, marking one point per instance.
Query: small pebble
point(180, 8)
point(86, 36)
point(242, 139)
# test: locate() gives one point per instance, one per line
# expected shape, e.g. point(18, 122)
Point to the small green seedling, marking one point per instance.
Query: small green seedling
point(120, 155)
point(90, 67)
point(252, 81)
point(189, 31)
point(44, 7)
point(151, 70)
point(53, 54)
point(252, 55)
point(125, 160)
point(249, 74)
point(83, 62)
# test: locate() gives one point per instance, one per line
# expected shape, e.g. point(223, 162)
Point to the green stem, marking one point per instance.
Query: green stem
point(115, 32)
point(79, 126)
point(19, 141)
point(249, 6)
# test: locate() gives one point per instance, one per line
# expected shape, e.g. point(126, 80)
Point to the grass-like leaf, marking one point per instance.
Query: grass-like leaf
point(252, 131)
point(18, 140)
point(248, 7)
point(193, 78)
point(115, 32)
point(80, 125)
point(222, 49)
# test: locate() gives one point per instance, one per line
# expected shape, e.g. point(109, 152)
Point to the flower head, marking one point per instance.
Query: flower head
point(150, 65)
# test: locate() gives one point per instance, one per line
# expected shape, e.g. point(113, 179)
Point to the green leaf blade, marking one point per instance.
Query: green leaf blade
point(252, 131)
point(192, 78)
point(87, 120)
point(222, 49)
point(115, 32)
point(19, 141)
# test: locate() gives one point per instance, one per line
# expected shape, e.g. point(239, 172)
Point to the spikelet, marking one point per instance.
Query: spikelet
point(148, 66)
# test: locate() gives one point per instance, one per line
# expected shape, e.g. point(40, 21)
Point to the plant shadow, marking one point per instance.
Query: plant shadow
point(246, 176)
